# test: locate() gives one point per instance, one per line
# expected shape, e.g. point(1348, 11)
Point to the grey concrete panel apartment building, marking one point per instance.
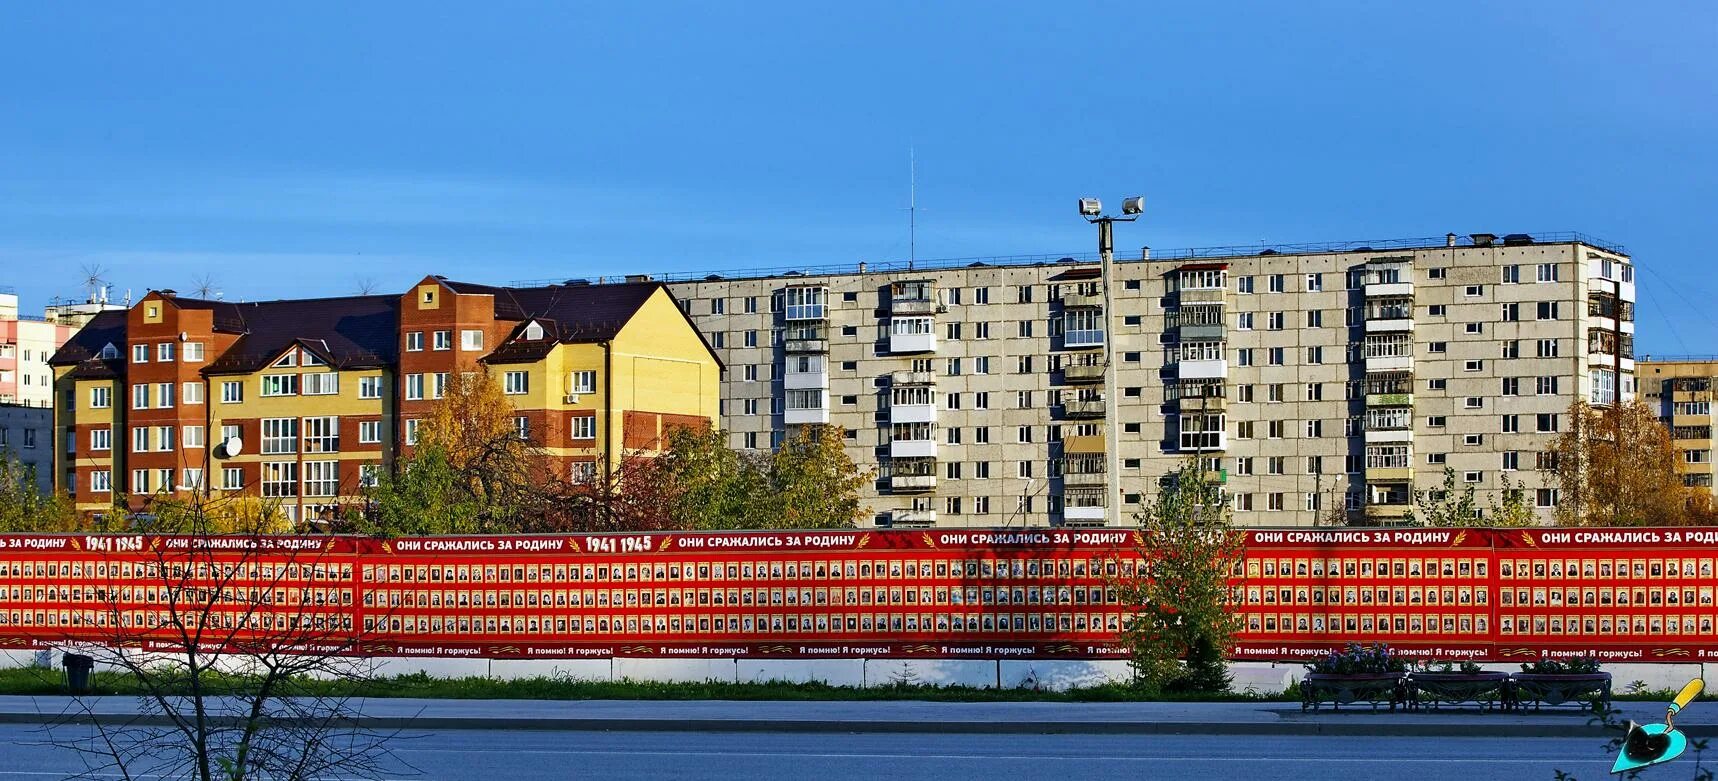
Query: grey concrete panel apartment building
point(1302, 375)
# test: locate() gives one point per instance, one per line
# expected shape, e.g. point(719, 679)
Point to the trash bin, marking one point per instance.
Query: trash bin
point(78, 669)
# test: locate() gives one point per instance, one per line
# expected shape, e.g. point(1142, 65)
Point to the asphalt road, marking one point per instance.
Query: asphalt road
point(487, 755)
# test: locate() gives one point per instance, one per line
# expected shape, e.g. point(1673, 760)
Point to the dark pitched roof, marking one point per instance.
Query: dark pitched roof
point(580, 313)
point(349, 332)
point(102, 330)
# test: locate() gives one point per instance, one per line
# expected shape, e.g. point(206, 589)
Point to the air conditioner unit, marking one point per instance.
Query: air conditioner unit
point(571, 398)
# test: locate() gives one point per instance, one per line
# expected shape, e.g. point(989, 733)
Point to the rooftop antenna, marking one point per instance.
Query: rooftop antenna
point(912, 207)
point(94, 283)
point(206, 287)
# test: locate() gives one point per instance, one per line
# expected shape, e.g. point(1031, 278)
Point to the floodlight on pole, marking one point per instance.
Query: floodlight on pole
point(1134, 205)
point(1091, 207)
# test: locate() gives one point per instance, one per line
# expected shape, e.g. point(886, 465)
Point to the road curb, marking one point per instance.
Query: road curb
point(1470, 729)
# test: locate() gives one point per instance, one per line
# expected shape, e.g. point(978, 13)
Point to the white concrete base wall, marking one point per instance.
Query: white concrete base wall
point(1259, 677)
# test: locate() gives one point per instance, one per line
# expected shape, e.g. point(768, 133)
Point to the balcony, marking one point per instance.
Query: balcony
point(817, 345)
point(1691, 432)
point(812, 380)
point(912, 335)
point(912, 483)
point(796, 417)
point(1083, 479)
point(1083, 339)
point(1073, 298)
point(1205, 295)
point(1389, 399)
point(1389, 324)
point(913, 518)
point(1389, 435)
point(1389, 474)
point(1203, 369)
point(913, 448)
point(901, 379)
point(912, 413)
point(1083, 408)
point(1084, 516)
point(805, 303)
point(913, 297)
point(1203, 332)
point(1202, 404)
point(913, 306)
point(1389, 289)
point(1387, 514)
point(1083, 444)
point(1389, 363)
point(1082, 373)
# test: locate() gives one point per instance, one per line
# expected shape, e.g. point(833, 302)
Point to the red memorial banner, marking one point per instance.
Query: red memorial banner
point(1482, 594)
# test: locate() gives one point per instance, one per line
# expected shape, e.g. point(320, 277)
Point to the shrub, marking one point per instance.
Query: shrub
point(1357, 659)
point(1574, 665)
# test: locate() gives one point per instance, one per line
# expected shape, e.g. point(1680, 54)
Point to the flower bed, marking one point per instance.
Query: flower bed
point(1356, 674)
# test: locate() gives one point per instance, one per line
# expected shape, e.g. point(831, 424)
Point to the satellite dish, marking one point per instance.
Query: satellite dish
point(232, 446)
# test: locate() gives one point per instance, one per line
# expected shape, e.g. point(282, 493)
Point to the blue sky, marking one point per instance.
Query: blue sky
point(302, 149)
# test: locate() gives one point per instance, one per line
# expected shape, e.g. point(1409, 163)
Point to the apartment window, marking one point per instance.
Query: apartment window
point(1314, 282)
point(1547, 310)
point(1274, 321)
point(1024, 293)
point(191, 437)
point(981, 365)
point(1548, 348)
point(1244, 356)
point(583, 381)
point(280, 385)
point(1473, 290)
point(1511, 460)
point(1438, 347)
point(101, 482)
point(229, 431)
point(1473, 366)
point(1274, 501)
point(980, 435)
point(1276, 283)
point(164, 352)
point(1512, 386)
point(321, 435)
point(1315, 355)
point(140, 481)
point(1697, 456)
point(1473, 440)
point(100, 398)
point(515, 383)
point(414, 387)
point(322, 384)
point(442, 340)
point(1244, 394)
point(1436, 310)
point(232, 478)
point(1244, 429)
point(1511, 313)
point(1511, 424)
point(1545, 386)
point(414, 341)
point(101, 439)
point(1512, 349)
point(584, 427)
point(1314, 429)
point(1545, 497)
point(191, 393)
point(140, 353)
point(1436, 421)
point(1023, 434)
point(1023, 329)
point(1274, 392)
point(1275, 429)
point(279, 435)
point(1315, 318)
point(438, 385)
point(412, 430)
point(1546, 422)
point(1274, 465)
point(1243, 284)
point(1244, 321)
point(1437, 384)
point(1314, 391)
point(1473, 402)
point(1548, 272)
point(140, 395)
point(1511, 274)
point(1436, 273)
point(953, 367)
point(369, 432)
point(1276, 356)
point(279, 478)
point(1243, 502)
point(164, 394)
point(1473, 328)
point(952, 330)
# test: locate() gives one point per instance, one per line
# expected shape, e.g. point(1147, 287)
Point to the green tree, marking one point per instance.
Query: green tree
point(1447, 507)
point(808, 483)
point(423, 495)
point(24, 508)
point(813, 483)
point(1510, 507)
point(1184, 618)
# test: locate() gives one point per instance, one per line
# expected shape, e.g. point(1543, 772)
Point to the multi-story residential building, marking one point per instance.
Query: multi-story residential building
point(1302, 375)
point(1680, 390)
point(26, 343)
point(302, 401)
point(27, 438)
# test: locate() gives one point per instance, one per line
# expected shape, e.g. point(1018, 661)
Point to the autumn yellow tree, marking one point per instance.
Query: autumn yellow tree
point(1616, 466)
point(814, 483)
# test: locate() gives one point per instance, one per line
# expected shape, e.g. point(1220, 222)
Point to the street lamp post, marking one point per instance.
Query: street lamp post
point(1092, 209)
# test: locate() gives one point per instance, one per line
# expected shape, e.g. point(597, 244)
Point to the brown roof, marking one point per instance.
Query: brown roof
point(569, 314)
point(349, 332)
point(105, 328)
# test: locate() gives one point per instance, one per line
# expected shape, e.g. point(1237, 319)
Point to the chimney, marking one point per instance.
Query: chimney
point(1145, 253)
point(1449, 239)
point(636, 278)
point(861, 266)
